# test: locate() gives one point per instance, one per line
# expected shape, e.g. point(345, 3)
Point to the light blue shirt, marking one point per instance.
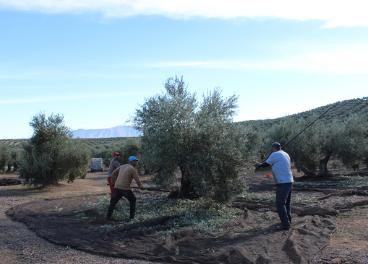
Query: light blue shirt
point(281, 167)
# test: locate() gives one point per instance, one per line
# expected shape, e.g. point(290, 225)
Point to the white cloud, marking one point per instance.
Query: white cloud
point(334, 12)
point(6, 74)
point(342, 62)
point(38, 99)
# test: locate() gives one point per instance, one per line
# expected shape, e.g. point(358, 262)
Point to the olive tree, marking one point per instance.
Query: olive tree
point(345, 141)
point(304, 150)
point(199, 139)
point(4, 156)
point(14, 159)
point(51, 154)
point(130, 147)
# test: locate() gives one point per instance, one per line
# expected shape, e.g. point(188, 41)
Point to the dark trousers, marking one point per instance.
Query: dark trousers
point(283, 198)
point(118, 193)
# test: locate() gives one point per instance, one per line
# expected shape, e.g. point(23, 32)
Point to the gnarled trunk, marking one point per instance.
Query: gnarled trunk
point(307, 172)
point(323, 165)
point(188, 173)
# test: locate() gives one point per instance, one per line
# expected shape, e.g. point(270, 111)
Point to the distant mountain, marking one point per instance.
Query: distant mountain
point(118, 131)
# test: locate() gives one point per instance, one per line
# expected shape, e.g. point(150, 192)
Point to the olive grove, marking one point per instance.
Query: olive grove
point(345, 141)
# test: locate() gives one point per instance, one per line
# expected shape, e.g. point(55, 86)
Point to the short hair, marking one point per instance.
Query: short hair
point(276, 145)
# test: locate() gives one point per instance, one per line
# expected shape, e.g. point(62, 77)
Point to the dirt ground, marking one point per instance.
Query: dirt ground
point(19, 244)
point(333, 230)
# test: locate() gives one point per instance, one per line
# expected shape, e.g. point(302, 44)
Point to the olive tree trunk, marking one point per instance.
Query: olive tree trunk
point(323, 171)
point(188, 175)
point(307, 172)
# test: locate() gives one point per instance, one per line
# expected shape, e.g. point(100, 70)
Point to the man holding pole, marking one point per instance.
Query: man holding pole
point(124, 176)
point(281, 169)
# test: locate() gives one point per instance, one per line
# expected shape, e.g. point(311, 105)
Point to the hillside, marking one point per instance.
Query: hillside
point(340, 110)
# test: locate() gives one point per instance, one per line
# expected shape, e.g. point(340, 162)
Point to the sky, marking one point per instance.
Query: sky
point(96, 61)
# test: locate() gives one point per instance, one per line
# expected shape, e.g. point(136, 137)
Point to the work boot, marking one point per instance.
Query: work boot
point(109, 218)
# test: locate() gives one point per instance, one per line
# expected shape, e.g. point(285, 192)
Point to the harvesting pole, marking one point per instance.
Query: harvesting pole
point(148, 189)
point(307, 126)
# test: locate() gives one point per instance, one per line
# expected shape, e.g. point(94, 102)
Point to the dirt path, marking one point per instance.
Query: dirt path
point(21, 245)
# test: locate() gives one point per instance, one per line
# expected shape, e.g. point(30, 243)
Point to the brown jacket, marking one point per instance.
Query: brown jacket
point(124, 176)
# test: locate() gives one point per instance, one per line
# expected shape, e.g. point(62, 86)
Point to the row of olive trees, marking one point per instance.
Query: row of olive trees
point(312, 150)
point(51, 155)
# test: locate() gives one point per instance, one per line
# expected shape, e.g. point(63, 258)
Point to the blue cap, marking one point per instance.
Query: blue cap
point(276, 145)
point(132, 158)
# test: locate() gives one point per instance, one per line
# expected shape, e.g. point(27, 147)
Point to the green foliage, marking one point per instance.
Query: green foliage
point(347, 140)
point(201, 140)
point(98, 142)
point(4, 157)
point(340, 134)
point(130, 147)
point(105, 147)
point(127, 147)
point(14, 159)
point(340, 111)
point(105, 152)
point(303, 150)
point(203, 214)
point(52, 155)
point(15, 144)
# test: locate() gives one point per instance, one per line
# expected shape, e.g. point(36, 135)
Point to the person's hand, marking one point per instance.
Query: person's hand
point(142, 188)
point(258, 166)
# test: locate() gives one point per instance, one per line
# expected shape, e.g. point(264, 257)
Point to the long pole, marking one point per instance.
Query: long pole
point(308, 126)
point(148, 189)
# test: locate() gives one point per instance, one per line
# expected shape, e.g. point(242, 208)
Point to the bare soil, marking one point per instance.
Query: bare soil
point(20, 244)
point(331, 230)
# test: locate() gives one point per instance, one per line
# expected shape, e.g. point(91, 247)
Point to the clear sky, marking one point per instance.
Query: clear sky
point(95, 61)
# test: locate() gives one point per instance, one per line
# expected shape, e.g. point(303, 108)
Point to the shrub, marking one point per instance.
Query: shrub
point(52, 155)
point(4, 157)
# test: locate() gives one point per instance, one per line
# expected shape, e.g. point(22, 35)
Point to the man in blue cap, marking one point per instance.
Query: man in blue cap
point(121, 178)
point(281, 170)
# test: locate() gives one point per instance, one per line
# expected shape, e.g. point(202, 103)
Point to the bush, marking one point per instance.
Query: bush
point(52, 155)
point(4, 157)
